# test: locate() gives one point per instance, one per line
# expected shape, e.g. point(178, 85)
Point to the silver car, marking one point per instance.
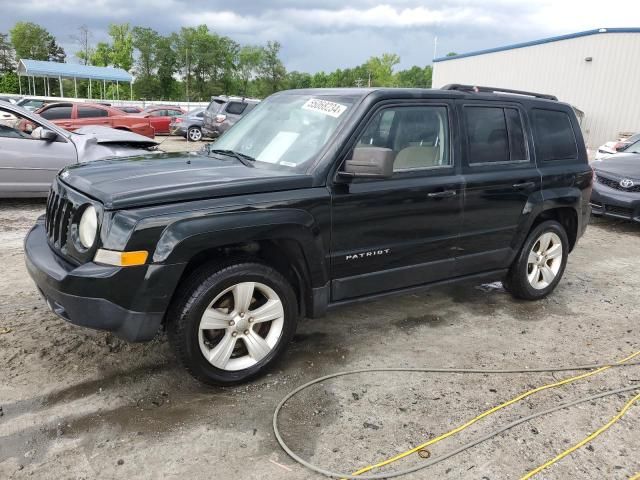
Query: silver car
point(33, 150)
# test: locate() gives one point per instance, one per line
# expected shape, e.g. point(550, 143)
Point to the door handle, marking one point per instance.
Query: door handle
point(444, 194)
point(524, 185)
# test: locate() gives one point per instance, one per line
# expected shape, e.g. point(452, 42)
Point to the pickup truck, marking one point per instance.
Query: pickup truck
point(71, 116)
point(316, 199)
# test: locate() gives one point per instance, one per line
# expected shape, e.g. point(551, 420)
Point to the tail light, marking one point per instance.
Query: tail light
point(220, 118)
point(177, 120)
point(619, 146)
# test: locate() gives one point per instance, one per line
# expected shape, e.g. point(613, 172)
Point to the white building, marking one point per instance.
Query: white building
point(597, 71)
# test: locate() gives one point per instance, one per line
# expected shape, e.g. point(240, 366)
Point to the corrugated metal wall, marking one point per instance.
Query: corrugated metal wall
point(607, 89)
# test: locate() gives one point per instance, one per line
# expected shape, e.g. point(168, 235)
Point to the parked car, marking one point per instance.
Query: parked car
point(611, 148)
point(33, 104)
point(188, 125)
point(161, 116)
point(223, 112)
point(8, 99)
point(33, 150)
point(130, 109)
point(316, 199)
point(616, 190)
point(71, 116)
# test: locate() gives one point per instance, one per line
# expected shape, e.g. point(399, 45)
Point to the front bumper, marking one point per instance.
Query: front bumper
point(608, 202)
point(86, 295)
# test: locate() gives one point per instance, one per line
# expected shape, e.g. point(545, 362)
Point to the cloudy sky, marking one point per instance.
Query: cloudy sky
point(328, 34)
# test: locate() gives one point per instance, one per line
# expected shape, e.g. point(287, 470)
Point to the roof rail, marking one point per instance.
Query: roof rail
point(477, 89)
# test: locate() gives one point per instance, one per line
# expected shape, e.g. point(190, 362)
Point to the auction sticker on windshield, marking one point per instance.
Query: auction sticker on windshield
point(324, 106)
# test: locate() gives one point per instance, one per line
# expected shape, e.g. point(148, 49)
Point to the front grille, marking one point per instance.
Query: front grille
point(615, 184)
point(622, 211)
point(58, 219)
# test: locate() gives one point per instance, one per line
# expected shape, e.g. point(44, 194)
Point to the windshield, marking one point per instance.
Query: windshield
point(633, 148)
point(287, 130)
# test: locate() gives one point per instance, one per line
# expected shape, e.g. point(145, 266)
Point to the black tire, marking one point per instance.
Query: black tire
point(516, 281)
point(194, 296)
point(197, 131)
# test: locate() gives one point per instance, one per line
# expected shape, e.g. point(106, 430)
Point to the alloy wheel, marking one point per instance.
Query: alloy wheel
point(194, 134)
point(241, 326)
point(545, 260)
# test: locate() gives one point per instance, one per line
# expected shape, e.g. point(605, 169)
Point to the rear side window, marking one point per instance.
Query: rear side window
point(90, 112)
point(236, 108)
point(555, 139)
point(214, 106)
point(55, 113)
point(495, 135)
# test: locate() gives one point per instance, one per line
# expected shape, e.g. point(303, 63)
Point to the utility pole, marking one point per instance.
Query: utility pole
point(435, 46)
point(369, 79)
point(186, 64)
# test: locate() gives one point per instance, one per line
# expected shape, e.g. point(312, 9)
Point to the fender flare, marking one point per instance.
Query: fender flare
point(183, 239)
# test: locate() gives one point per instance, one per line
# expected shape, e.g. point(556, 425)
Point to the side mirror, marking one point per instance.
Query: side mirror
point(48, 135)
point(370, 162)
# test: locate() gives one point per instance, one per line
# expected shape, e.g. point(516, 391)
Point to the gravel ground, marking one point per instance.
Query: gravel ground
point(82, 404)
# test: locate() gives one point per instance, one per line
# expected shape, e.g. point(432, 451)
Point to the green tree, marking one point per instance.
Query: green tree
point(30, 41)
point(451, 54)
point(121, 55)
point(272, 70)
point(381, 69)
point(56, 52)
point(7, 63)
point(249, 61)
point(415, 76)
point(101, 56)
point(167, 66)
point(9, 83)
point(298, 80)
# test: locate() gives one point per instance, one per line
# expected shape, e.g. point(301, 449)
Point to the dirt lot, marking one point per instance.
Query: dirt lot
point(82, 404)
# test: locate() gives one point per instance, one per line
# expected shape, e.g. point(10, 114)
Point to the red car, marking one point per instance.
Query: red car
point(161, 116)
point(72, 116)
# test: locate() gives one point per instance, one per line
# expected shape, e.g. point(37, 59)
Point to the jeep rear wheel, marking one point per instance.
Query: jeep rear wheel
point(229, 324)
point(539, 267)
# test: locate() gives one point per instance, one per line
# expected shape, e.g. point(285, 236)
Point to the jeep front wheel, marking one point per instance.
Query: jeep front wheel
point(229, 324)
point(541, 262)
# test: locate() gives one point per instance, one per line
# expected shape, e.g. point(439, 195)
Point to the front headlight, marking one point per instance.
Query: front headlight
point(88, 227)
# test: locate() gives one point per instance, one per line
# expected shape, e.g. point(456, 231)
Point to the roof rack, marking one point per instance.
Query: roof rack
point(477, 89)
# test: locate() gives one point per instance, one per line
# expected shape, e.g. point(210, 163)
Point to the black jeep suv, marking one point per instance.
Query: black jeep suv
point(317, 198)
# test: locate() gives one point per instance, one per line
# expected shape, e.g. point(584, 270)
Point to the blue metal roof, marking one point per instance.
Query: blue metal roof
point(38, 68)
point(540, 42)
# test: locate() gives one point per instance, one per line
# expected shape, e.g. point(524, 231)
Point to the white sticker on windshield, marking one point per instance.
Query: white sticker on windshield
point(324, 106)
point(277, 147)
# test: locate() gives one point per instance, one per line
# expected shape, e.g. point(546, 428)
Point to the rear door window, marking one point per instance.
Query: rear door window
point(91, 112)
point(57, 113)
point(494, 135)
point(554, 136)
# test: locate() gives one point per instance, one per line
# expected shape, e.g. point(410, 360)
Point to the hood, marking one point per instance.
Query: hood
point(173, 177)
point(620, 165)
point(103, 135)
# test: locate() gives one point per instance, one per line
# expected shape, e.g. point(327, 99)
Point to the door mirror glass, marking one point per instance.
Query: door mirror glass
point(370, 162)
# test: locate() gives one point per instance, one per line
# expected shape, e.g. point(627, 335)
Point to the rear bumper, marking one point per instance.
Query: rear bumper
point(82, 294)
point(608, 202)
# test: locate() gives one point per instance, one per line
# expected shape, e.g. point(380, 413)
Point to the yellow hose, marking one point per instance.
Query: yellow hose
point(489, 412)
point(636, 476)
point(583, 442)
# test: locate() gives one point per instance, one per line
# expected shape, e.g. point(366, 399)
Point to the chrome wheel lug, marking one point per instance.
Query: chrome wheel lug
point(246, 332)
point(231, 323)
point(234, 334)
point(250, 319)
point(242, 315)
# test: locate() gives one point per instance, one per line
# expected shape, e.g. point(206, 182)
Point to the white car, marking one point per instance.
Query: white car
point(611, 148)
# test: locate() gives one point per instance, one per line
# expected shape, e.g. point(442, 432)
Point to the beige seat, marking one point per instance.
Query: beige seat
point(417, 157)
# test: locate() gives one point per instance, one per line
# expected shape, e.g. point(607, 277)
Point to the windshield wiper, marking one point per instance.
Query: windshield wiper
point(246, 160)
